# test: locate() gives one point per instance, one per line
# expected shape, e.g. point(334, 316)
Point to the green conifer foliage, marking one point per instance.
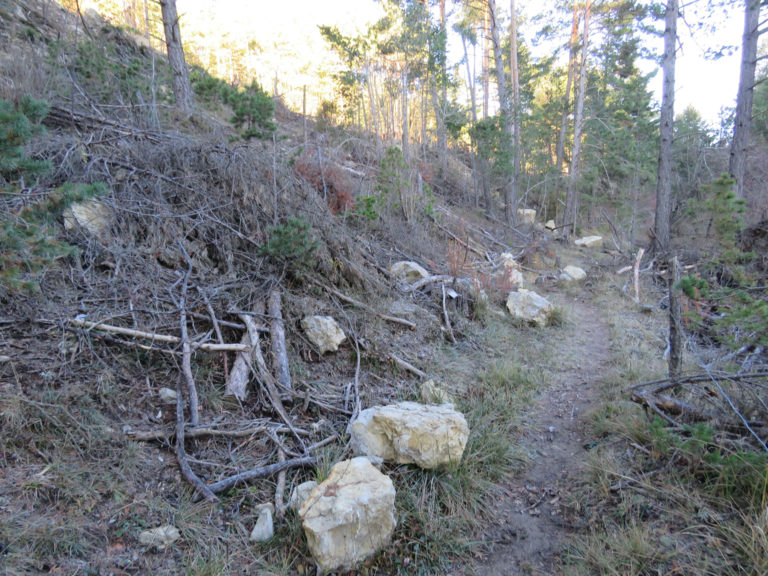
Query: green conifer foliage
point(16, 128)
point(28, 243)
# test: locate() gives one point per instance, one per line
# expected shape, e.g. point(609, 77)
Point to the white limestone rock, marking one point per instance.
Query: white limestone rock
point(431, 393)
point(526, 216)
point(323, 332)
point(300, 494)
point(409, 271)
point(550, 225)
point(573, 274)
point(264, 528)
point(167, 396)
point(349, 516)
point(529, 306)
point(411, 433)
point(160, 537)
point(589, 241)
point(91, 215)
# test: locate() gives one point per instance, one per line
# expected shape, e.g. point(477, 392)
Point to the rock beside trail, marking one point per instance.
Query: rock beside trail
point(529, 306)
point(589, 241)
point(349, 516)
point(410, 433)
point(323, 332)
point(160, 537)
point(572, 273)
point(409, 271)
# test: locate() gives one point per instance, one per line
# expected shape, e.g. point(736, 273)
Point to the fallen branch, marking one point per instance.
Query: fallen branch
point(261, 472)
point(409, 367)
point(181, 457)
point(216, 327)
point(165, 434)
point(265, 378)
point(208, 347)
point(358, 304)
point(636, 274)
point(277, 333)
point(280, 488)
point(186, 349)
point(447, 319)
point(466, 244)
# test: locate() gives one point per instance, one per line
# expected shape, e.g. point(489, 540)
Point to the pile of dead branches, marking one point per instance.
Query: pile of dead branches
point(734, 404)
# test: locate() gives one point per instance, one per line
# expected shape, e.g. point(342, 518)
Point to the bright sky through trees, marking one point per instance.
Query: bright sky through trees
point(706, 84)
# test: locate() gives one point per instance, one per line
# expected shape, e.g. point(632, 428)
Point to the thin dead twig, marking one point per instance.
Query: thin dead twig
point(260, 472)
point(406, 366)
point(207, 346)
point(186, 349)
point(358, 304)
point(186, 471)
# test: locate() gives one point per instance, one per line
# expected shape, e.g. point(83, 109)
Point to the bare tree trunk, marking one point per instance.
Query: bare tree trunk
point(667, 128)
point(404, 82)
point(572, 193)
point(515, 106)
point(675, 360)
point(486, 64)
point(442, 132)
point(510, 201)
point(738, 161)
point(573, 48)
point(372, 98)
point(182, 90)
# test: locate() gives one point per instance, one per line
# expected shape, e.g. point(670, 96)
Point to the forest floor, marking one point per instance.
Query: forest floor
point(537, 515)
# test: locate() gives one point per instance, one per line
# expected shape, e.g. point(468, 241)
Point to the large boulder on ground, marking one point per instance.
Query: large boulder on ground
point(529, 306)
point(349, 516)
point(526, 216)
point(572, 273)
point(410, 433)
point(409, 271)
point(589, 241)
point(323, 332)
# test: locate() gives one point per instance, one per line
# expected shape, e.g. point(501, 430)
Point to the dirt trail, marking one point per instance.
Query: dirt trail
point(534, 520)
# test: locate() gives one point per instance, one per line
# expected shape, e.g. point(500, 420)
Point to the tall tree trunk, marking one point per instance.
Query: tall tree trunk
point(441, 103)
point(572, 192)
point(738, 161)
point(182, 90)
point(667, 130)
point(473, 110)
point(404, 82)
point(515, 106)
point(573, 50)
point(486, 64)
point(510, 202)
point(374, 111)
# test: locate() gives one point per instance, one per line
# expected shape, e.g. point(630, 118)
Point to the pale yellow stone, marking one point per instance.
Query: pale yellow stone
point(529, 306)
point(409, 271)
point(410, 433)
point(349, 516)
point(323, 332)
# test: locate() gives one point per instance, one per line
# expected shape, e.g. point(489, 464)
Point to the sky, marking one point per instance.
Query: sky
point(708, 85)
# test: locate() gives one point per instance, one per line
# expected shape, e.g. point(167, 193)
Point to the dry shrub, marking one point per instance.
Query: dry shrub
point(328, 179)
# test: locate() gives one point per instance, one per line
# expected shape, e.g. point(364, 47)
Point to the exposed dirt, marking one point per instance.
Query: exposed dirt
point(534, 518)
